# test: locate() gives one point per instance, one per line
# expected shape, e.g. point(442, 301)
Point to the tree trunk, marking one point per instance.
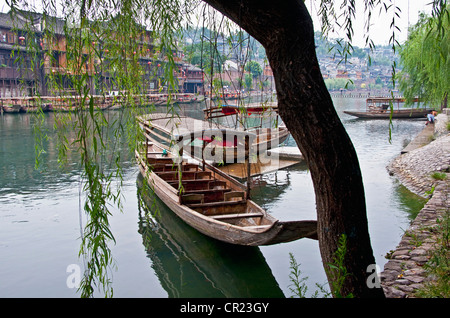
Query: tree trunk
point(285, 29)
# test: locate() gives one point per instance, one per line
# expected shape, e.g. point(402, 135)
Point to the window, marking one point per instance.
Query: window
point(10, 38)
point(55, 59)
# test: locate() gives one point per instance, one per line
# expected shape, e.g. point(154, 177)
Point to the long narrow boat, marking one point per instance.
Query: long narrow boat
point(379, 108)
point(209, 200)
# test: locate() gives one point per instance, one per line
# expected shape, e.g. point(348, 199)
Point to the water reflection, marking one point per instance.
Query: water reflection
point(268, 188)
point(190, 264)
point(18, 172)
point(408, 201)
point(39, 223)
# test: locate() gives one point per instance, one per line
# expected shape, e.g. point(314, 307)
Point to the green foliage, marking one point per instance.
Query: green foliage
point(299, 287)
point(336, 270)
point(254, 68)
point(339, 83)
point(425, 58)
point(438, 266)
point(439, 175)
point(100, 40)
point(205, 55)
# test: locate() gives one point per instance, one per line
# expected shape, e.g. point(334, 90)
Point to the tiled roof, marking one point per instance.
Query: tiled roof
point(26, 20)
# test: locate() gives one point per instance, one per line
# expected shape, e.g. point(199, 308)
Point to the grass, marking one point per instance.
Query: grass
point(335, 269)
point(439, 175)
point(438, 266)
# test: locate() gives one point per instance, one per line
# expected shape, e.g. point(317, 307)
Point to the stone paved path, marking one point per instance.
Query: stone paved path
point(404, 273)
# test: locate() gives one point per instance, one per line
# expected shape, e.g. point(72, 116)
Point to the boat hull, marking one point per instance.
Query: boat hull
point(272, 232)
point(397, 114)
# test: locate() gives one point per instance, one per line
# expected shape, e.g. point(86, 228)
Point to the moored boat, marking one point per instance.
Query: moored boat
point(209, 200)
point(219, 148)
point(388, 107)
point(266, 137)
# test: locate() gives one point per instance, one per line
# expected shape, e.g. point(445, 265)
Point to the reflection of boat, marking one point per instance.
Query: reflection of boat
point(379, 108)
point(210, 200)
point(188, 264)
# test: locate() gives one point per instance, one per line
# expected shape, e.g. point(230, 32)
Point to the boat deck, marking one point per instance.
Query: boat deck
point(179, 125)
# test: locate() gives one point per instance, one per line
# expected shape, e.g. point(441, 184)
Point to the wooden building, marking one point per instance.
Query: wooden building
point(36, 58)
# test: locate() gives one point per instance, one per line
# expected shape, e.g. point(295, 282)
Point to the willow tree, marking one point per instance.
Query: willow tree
point(425, 60)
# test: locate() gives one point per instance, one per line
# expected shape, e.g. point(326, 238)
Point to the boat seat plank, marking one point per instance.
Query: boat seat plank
point(197, 184)
point(192, 198)
point(210, 195)
point(203, 175)
point(193, 181)
point(237, 215)
point(234, 195)
point(216, 184)
point(186, 175)
point(163, 167)
point(224, 203)
point(208, 190)
point(190, 166)
point(152, 160)
point(257, 227)
point(173, 175)
point(174, 167)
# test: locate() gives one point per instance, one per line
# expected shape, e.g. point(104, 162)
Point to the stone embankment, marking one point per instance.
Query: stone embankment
point(404, 273)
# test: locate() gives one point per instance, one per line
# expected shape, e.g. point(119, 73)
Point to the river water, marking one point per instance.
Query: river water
point(40, 213)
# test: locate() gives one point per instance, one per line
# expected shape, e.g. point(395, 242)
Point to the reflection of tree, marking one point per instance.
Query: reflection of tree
point(409, 201)
point(17, 158)
point(190, 264)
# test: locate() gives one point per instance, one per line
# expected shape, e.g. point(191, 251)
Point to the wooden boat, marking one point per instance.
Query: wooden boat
point(190, 264)
point(219, 149)
point(209, 200)
point(266, 138)
point(11, 108)
point(379, 108)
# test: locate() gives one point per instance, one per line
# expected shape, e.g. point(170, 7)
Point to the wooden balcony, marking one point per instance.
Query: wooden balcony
point(16, 73)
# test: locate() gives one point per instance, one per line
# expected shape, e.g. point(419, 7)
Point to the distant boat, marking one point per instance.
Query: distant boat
point(11, 108)
point(208, 199)
point(379, 108)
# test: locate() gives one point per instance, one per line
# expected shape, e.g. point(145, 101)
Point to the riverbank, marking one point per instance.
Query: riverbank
point(404, 273)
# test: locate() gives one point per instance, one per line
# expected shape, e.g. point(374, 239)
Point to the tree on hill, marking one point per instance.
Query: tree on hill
point(254, 68)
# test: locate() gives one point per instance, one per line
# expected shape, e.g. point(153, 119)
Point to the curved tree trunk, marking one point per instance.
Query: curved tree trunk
point(285, 29)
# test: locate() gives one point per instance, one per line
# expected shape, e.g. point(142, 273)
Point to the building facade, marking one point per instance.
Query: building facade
point(37, 57)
